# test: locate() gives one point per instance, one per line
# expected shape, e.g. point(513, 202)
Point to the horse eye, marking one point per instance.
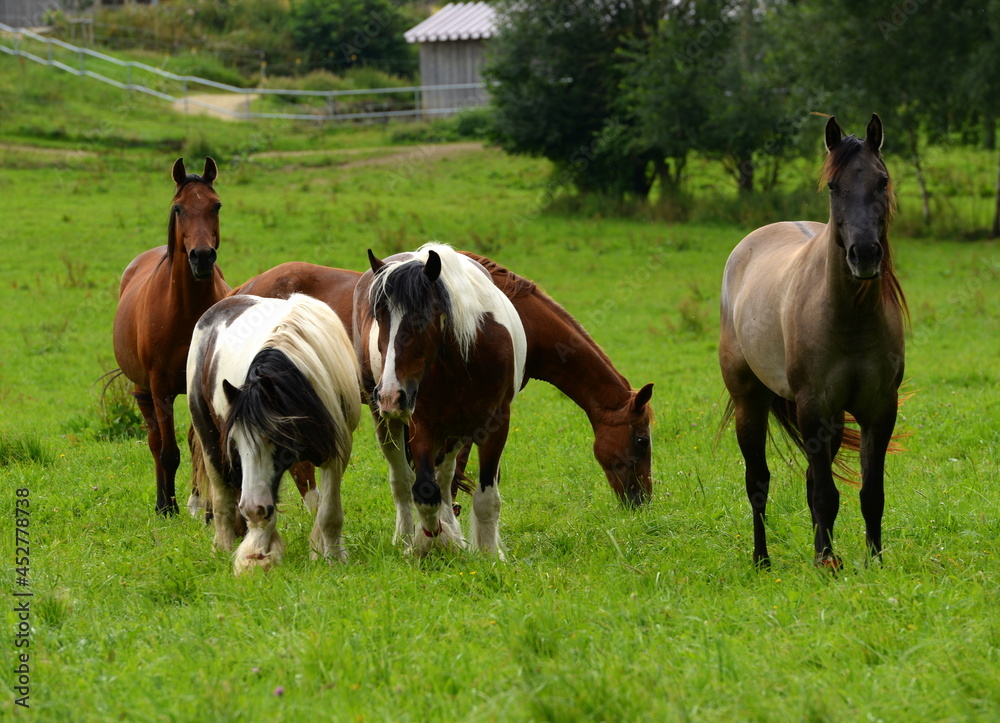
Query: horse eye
point(216, 207)
point(883, 183)
point(834, 188)
point(177, 208)
point(642, 442)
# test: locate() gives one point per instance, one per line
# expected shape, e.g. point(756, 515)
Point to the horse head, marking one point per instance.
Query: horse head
point(623, 448)
point(194, 218)
point(408, 303)
point(860, 196)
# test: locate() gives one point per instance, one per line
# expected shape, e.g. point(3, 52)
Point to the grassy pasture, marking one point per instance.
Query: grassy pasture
point(598, 613)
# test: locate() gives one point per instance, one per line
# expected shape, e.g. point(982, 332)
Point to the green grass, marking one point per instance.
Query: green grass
point(598, 613)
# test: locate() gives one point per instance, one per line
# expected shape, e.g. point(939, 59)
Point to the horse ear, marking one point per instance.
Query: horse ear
point(179, 174)
point(432, 269)
point(873, 136)
point(211, 171)
point(833, 133)
point(642, 397)
point(376, 263)
point(230, 391)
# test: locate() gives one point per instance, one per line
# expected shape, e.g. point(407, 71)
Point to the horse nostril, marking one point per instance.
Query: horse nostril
point(402, 399)
point(270, 511)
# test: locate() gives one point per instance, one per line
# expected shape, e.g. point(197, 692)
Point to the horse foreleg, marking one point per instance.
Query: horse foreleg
point(875, 439)
point(168, 456)
point(428, 498)
point(154, 439)
point(327, 532)
point(390, 434)
point(485, 520)
point(262, 547)
point(825, 498)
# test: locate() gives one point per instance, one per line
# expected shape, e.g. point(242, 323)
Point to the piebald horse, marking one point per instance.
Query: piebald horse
point(272, 382)
point(442, 354)
point(811, 328)
point(559, 351)
point(163, 293)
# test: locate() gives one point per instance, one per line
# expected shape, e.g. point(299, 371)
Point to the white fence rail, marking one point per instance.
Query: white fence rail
point(142, 78)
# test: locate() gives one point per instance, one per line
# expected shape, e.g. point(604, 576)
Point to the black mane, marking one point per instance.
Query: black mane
point(279, 404)
point(409, 289)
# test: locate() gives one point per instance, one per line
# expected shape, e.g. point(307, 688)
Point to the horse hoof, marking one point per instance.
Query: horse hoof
point(829, 562)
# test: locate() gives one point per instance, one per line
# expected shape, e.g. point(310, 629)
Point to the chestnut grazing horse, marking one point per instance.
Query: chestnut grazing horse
point(163, 293)
point(272, 382)
point(560, 352)
point(812, 326)
point(442, 355)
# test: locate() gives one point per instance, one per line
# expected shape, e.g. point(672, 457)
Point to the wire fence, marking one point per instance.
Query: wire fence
point(246, 103)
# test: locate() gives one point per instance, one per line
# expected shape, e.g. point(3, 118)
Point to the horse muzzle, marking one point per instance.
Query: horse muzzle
point(865, 260)
point(257, 509)
point(395, 402)
point(202, 263)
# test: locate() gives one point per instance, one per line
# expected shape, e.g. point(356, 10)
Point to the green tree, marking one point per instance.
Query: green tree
point(710, 82)
point(557, 66)
point(338, 34)
point(914, 63)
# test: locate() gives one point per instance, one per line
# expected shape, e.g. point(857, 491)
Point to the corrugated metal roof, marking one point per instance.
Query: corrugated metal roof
point(455, 21)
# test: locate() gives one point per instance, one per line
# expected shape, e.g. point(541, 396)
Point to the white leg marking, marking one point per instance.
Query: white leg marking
point(390, 433)
point(327, 533)
point(311, 501)
point(485, 521)
point(262, 547)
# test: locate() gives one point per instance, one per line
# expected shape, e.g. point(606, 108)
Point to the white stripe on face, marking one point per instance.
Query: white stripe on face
point(374, 355)
point(389, 387)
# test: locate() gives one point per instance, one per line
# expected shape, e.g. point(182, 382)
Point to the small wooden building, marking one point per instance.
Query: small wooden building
point(26, 13)
point(452, 51)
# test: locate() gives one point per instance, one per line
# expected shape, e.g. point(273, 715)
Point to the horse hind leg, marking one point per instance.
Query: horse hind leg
point(326, 538)
point(486, 504)
point(751, 413)
point(444, 473)
point(199, 503)
point(304, 476)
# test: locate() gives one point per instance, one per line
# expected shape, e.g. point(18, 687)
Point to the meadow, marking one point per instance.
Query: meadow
point(599, 613)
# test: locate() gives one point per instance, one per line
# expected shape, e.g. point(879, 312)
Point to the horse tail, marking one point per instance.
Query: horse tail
point(785, 412)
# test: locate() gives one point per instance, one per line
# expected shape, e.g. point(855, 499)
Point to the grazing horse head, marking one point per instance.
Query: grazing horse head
point(194, 218)
point(272, 382)
point(275, 419)
point(860, 197)
point(622, 447)
point(408, 302)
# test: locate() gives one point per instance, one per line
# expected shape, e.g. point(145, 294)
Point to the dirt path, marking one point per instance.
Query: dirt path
point(393, 155)
point(222, 102)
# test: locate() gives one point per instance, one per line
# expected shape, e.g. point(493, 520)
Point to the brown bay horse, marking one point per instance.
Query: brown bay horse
point(811, 328)
point(560, 352)
point(163, 293)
